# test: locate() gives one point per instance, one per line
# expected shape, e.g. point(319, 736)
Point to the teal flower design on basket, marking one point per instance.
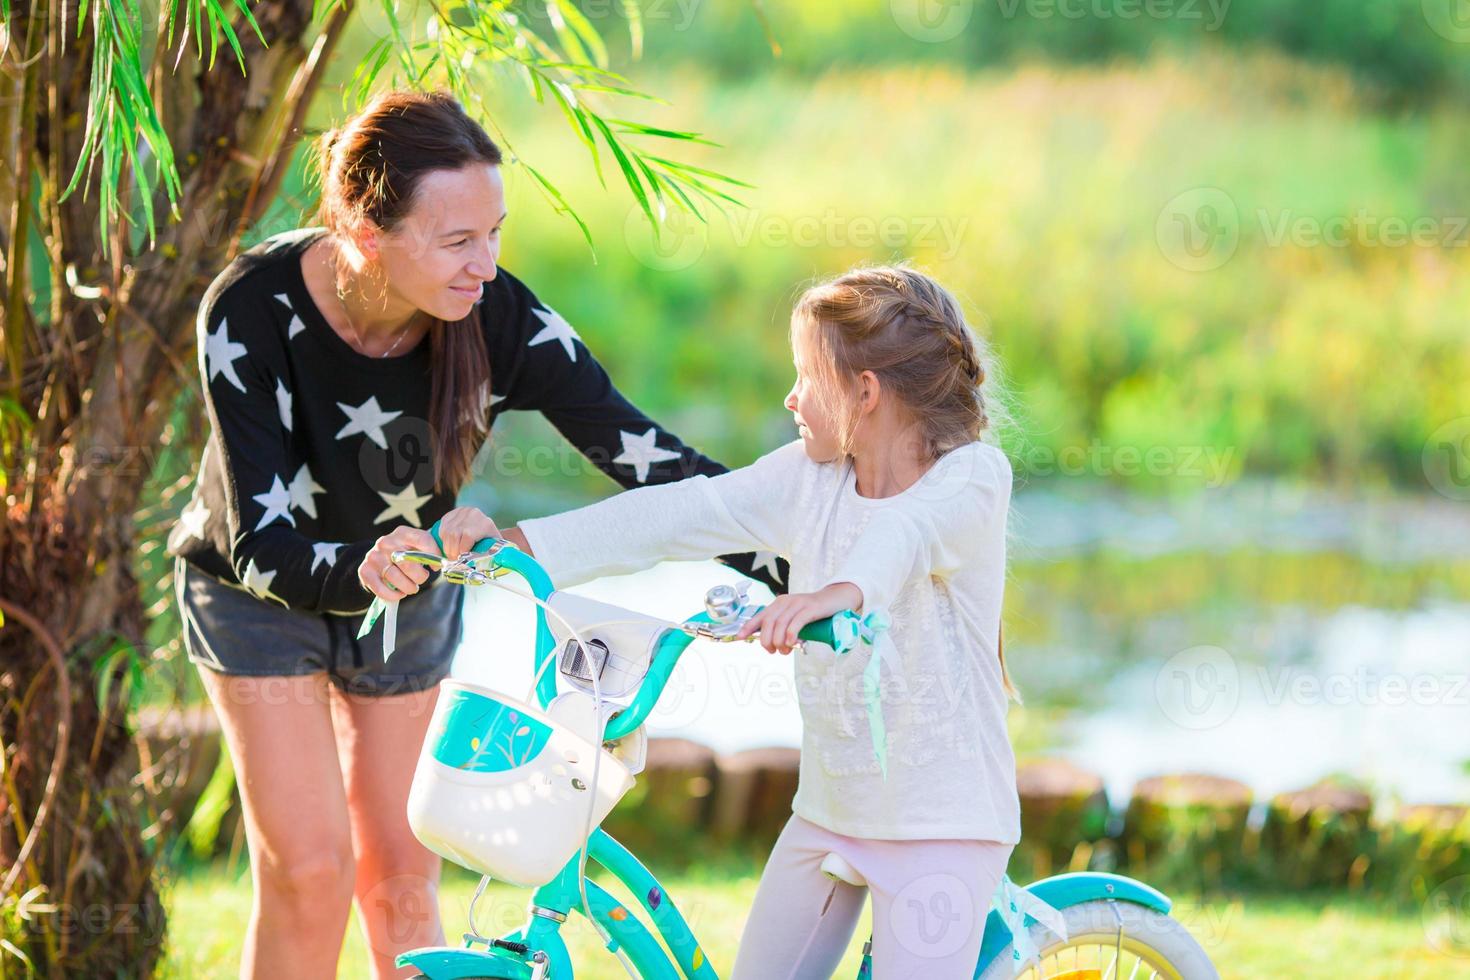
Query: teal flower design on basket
point(480, 734)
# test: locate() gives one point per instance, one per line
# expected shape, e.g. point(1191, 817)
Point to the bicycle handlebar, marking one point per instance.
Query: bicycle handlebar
point(671, 647)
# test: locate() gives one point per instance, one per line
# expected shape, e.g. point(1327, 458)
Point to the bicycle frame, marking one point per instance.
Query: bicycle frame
point(537, 950)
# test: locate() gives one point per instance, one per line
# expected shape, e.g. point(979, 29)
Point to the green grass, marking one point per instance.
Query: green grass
point(1248, 936)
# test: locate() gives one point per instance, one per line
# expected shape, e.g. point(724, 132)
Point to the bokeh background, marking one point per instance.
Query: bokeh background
point(1220, 251)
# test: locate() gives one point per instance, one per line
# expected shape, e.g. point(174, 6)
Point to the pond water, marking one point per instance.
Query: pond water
point(1268, 633)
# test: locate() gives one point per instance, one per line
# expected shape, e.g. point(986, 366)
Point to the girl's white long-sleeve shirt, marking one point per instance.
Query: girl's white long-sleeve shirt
point(933, 556)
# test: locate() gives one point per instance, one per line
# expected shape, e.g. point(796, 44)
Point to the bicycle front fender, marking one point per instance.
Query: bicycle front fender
point(1061, 891)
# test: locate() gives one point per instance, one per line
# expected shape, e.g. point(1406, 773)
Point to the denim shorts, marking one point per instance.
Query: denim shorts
point(230, 631)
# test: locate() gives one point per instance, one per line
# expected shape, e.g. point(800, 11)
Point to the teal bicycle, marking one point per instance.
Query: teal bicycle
point(515, 789)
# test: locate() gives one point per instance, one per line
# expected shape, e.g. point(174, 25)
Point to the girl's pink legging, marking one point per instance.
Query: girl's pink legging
point(930, 899)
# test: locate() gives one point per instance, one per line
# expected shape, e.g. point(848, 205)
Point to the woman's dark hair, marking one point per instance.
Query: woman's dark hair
point(370, 170)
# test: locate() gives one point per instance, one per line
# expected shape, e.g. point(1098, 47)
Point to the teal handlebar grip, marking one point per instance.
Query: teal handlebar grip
point(819, 631)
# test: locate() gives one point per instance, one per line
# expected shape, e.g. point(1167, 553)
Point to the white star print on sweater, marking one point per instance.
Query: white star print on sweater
point(283, 401)
point(405, 504)
point(324, 551)
point(258, 580)
point(296, 325)
point(640, 452)
point(193, 518)
point(301, 490)
point(221, 353)
point(367, 419)
point(556, 329)
point(276, 503)
point(316, 450)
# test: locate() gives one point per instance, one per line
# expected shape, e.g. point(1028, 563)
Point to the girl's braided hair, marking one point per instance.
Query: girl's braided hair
point(909, 331)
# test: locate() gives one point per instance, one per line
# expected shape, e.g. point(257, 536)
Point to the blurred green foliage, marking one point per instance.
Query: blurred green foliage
point(1403, 51)
point(1315, 344)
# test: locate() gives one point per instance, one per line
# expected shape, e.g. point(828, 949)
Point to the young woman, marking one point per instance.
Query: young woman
point(351, 373)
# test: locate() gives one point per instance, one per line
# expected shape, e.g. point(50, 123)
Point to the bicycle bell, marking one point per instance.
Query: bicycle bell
point(725, 603)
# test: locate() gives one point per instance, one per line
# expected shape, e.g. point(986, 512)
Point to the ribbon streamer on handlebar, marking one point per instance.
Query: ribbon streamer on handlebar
point(389, 612)
point(1014, 905)
point(848, 631)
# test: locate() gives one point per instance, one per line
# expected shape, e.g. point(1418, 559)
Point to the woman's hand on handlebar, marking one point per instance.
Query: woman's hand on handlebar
point(779, 623)
point(517, 537)
point(391, 582)
point(462, 528)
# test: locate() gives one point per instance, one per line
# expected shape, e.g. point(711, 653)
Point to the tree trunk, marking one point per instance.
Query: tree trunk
point(98, 374)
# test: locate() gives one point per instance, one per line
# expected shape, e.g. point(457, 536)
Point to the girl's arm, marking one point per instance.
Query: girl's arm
point(779, 624)
point(700, 517)
point(542, 365)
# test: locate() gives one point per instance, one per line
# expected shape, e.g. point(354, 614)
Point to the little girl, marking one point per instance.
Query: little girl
point(888, 502)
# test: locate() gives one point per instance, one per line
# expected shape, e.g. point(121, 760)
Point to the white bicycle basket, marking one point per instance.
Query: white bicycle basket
point(503, 788)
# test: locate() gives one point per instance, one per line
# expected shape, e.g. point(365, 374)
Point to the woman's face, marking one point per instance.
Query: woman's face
point(439, 256)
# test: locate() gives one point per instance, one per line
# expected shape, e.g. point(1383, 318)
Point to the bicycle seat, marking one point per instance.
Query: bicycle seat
point(836, 867)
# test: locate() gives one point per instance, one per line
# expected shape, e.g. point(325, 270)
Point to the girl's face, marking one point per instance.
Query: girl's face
point(814, 423)
point(439, 256)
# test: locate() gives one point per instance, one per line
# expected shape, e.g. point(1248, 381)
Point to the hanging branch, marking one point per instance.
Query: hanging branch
point(298, 97)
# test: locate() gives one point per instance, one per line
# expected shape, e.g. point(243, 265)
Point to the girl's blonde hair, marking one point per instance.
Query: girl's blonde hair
point(910, 332)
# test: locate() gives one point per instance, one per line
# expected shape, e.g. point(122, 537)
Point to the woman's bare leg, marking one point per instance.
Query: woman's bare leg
point(279, 733)
point(397, 888)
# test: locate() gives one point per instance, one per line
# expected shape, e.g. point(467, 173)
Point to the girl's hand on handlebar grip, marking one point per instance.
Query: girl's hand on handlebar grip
point(779, 623)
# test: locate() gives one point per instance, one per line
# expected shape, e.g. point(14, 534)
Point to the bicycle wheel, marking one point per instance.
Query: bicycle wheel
point(1111, 940)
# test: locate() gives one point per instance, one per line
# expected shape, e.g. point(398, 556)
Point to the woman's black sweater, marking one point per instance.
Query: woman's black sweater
point(316, 450)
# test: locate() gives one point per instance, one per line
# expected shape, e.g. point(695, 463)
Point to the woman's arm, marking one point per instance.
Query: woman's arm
point(551, 371)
